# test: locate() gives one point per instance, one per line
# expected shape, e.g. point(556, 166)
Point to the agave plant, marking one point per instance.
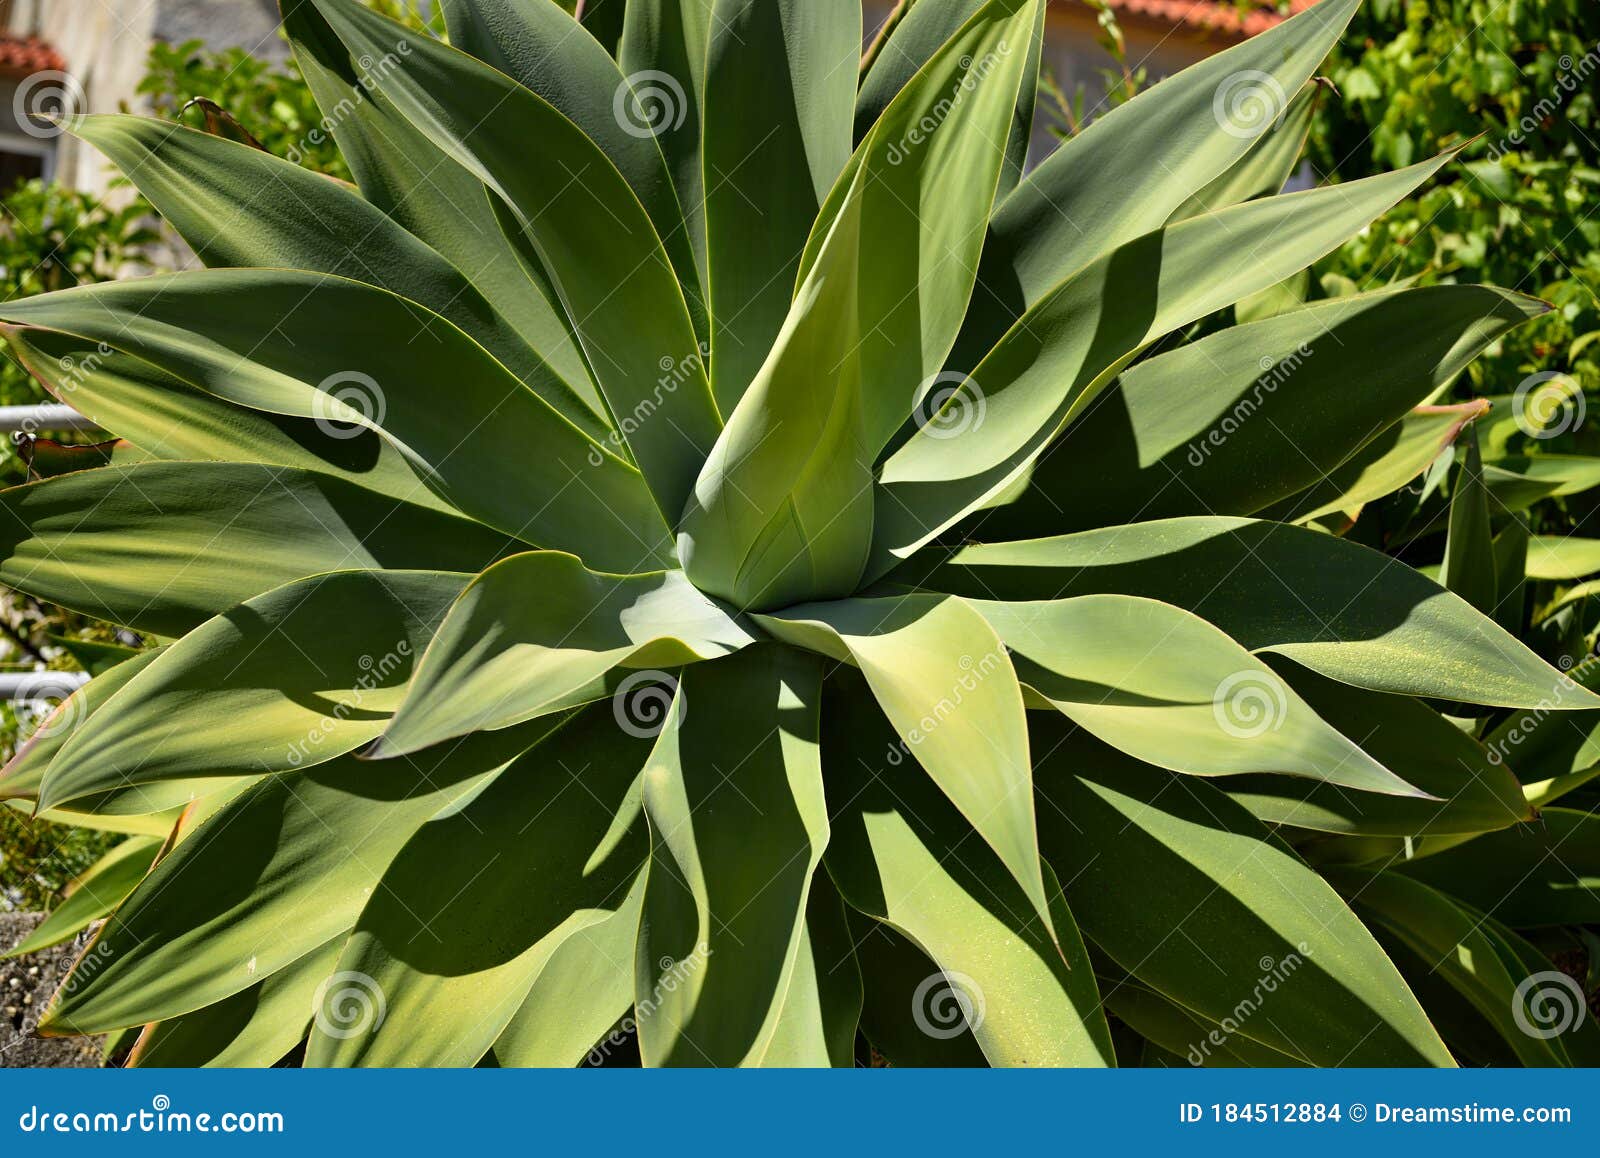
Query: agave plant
point(698, 551)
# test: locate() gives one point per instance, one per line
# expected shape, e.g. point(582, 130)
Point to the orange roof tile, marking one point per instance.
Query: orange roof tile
point(26, 55)
point(1211, 15)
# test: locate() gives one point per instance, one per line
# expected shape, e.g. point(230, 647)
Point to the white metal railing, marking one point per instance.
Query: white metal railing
point(28, 419)
point(28, 686)
point(40, 685)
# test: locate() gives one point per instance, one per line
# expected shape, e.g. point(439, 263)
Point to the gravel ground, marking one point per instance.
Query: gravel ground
point(26, 984)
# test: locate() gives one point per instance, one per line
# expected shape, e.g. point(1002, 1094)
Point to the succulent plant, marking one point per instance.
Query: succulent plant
point(699, 550)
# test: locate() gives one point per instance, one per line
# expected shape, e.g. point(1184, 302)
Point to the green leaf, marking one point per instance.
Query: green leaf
point(780, 86)
point(335, 358)
point(782, 511)
point(586, 985)
point(447, 990)
point(424, 188)
point(23, 774)
point(1188, 1037)
point(302, 674)
point(255, 1028)
point(817, 1023)
point(538, 46)
point(239, 206)
point(500, 659)
point(166, 418)
point(1471, 792)
point(944, 680)
point(893, 971)
point(738, 823)
point(1151, 861)
point(1338, 608)
point(911, 41)
point(903, 855)
point(1562, 557)
point(280, 870)
point(1272, 160)
point(158, 546)
point(1469, 568)
point(1058, 358)
point(94, 894)
point(663, 54)
point(1543, 873)
point(1392, 460)
point(1099, 191)
point(1457, 946)
point(1249, 416)
point(594, 238)
point(1166, 687)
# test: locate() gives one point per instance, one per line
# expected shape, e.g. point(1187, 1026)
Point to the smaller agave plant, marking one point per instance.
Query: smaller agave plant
point(696, 553)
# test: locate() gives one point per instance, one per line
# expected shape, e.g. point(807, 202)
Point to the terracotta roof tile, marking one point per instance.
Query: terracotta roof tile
point(1211, 15)
point(26, 55)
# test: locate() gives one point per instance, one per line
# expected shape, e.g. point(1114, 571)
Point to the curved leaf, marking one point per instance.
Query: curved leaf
point(302, 674)
point(780, 83)
point(593, 237)
point(944, 680)
point(448, 991)
point(738, 823)
point(500, 659)
point(1338, 608)
point(160, 546)
point(1147, 856)
point(333, 356)
point(94, 894)
point(903, 855)
point(239, 206)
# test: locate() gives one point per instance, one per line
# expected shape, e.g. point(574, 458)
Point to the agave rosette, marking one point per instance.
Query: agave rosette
point(696, 540)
